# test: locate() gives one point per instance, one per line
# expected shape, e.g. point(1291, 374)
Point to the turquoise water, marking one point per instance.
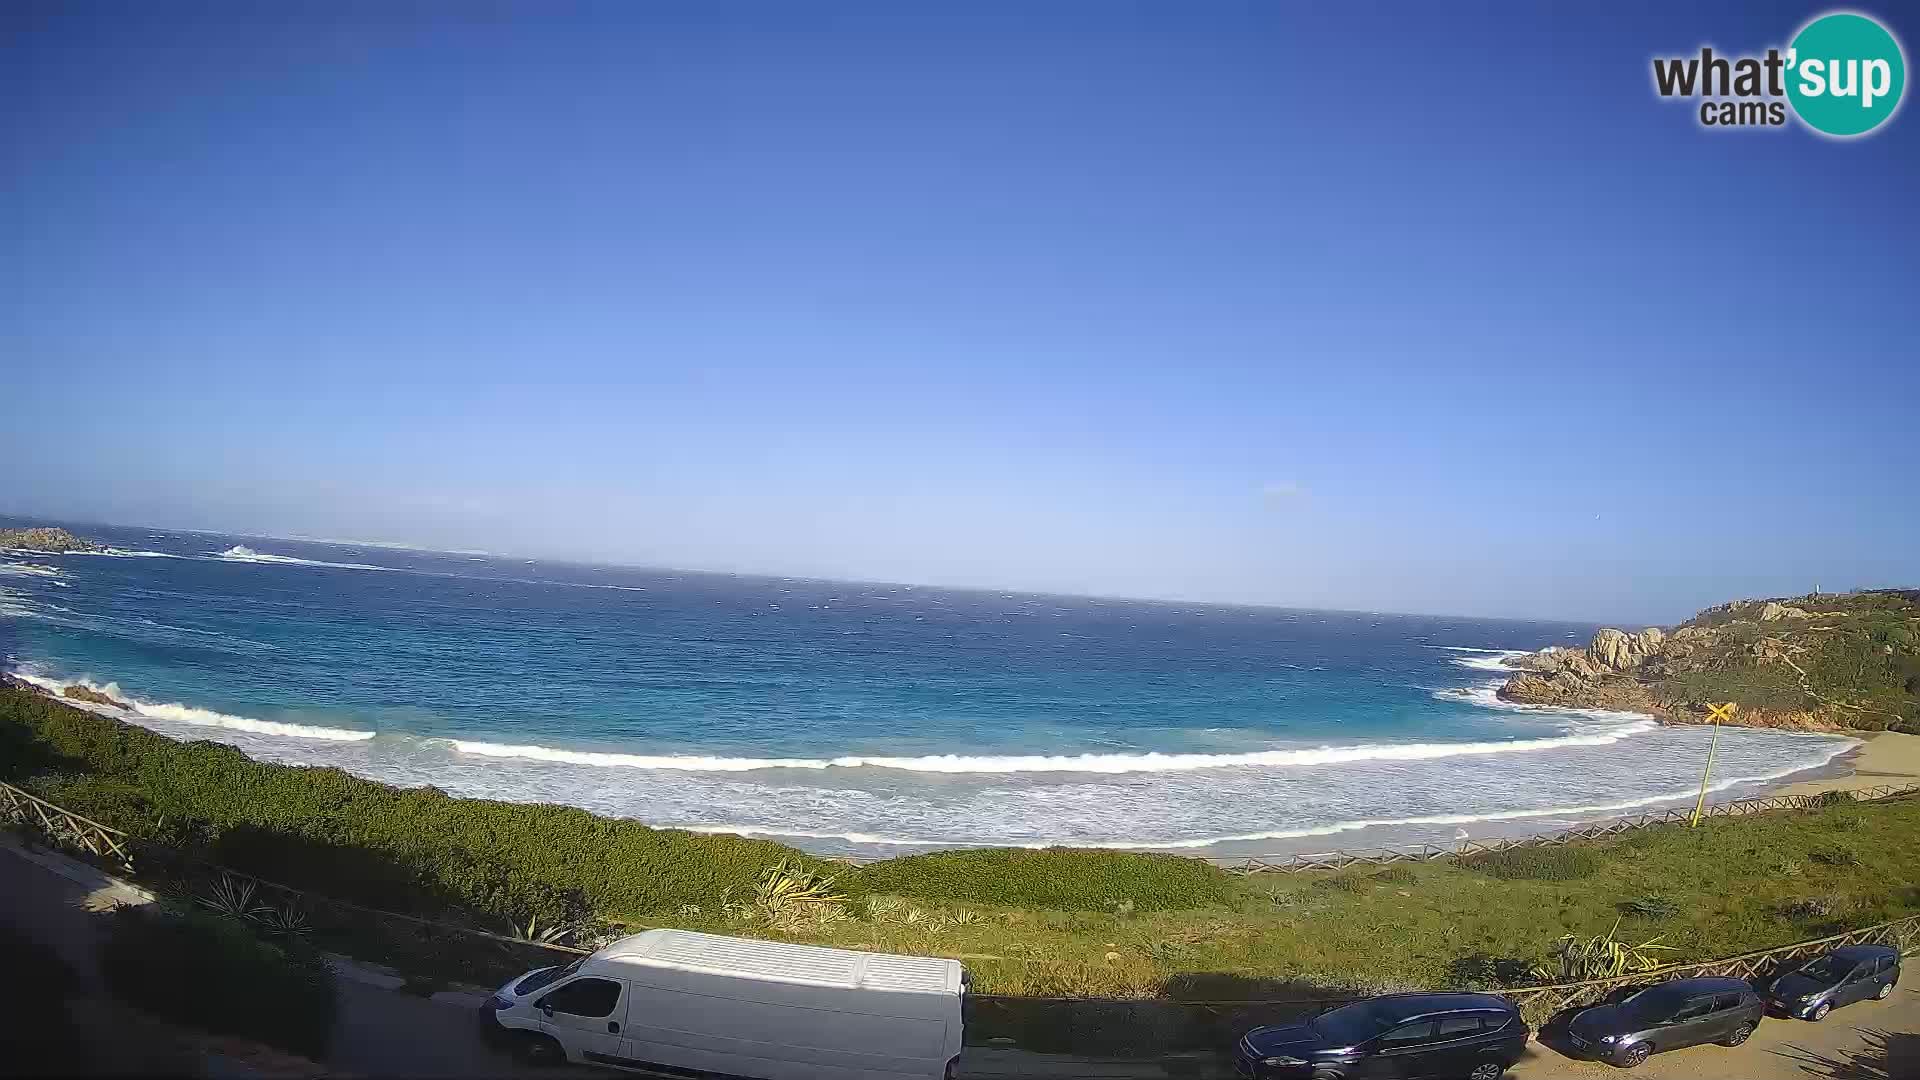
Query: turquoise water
point(843, 716)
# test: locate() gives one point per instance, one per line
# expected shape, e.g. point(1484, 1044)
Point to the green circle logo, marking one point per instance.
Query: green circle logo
point(1845, 74)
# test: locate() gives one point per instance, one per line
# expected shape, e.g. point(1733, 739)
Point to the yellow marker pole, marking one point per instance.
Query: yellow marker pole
point(1717, 713)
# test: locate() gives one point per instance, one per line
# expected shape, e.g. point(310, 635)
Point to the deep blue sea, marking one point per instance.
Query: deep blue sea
point(847, 717)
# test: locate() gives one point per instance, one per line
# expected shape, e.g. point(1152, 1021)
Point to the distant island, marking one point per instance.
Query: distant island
point(45, 539)
point(1822, 662)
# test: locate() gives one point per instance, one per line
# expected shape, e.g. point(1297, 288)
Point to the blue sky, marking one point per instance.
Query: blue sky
point(1379, 306)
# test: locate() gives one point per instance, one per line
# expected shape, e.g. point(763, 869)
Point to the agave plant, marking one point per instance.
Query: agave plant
point(286, 921)
point(534, 932)
point(231, 896)
point(1603, 957)
point(790, 895)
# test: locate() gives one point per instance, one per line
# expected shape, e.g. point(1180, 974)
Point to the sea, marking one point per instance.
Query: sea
point(852, 718)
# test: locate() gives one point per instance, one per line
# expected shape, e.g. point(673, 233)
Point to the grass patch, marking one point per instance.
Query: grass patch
point(1536, 863)
point(1059, 878)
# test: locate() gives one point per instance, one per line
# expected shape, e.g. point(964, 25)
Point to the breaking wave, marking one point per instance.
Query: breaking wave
point(243, 554)
point(1075, 763)
point(188, 714)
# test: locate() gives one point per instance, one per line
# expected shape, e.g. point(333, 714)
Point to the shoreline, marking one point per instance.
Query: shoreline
point(1878, 759)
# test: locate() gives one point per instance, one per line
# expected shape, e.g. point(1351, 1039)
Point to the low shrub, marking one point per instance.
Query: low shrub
point(1535, 863)
point(1653, 906)
point(210, 972)
point(1059, 878)
point(1834, 856)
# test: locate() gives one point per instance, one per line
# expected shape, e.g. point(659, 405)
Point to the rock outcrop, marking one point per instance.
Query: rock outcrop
point(44, 539)
point(88, 694)
point(1809, 668)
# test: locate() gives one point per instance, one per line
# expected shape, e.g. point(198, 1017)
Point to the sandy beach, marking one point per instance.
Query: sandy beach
point(1886, 758)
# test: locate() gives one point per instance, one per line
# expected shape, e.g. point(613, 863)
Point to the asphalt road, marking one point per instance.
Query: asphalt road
point(384, 1032)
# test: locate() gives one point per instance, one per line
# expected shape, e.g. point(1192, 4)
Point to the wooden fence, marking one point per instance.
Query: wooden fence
point(1385, 856)
point(65, 828)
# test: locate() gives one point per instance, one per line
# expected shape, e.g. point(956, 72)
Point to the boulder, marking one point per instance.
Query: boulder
point(1775, 611)
point(1618, 651)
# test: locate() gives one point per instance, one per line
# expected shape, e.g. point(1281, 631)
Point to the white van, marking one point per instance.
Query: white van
point(686, 1004)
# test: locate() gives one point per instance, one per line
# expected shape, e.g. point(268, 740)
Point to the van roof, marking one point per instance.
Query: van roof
point(786, 962)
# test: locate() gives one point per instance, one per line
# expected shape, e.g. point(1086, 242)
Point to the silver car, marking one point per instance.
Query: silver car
point(1841, 977)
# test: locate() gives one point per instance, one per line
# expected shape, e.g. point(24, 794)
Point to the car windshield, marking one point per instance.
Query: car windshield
point(1827, 969)
point(1349, 1024)
point(1655, 1004)
point(545, 976)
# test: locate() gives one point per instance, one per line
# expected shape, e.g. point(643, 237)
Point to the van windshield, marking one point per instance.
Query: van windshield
point(544, 977)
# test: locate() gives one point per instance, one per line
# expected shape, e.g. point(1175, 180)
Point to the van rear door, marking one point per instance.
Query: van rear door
point(587, 1014)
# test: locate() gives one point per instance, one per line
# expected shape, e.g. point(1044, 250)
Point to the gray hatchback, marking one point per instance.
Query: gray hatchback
point(1685, 1012)
point(1841, 977)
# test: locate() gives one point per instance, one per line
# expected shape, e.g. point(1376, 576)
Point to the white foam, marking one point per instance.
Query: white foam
point(1075, 763)
point(1487, 696)
point(243, 554)
point(36, 570)
point(1497, 661)
point(1567, 812)
point(177, 713)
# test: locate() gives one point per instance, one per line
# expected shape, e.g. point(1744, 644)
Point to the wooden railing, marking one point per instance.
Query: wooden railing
point(1383, 856)
point(64, 828)
point(1756, 967)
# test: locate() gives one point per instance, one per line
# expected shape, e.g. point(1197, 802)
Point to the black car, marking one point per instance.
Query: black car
point(1685, 1012)
point(1841, 977)
point(1403, 1036)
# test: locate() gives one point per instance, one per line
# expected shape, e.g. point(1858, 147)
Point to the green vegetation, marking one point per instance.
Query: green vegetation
point(1850, 658)
point(1028, 923)
point(44, 539)
point(1536, 863)
point(210, 972)
point(1059, 878)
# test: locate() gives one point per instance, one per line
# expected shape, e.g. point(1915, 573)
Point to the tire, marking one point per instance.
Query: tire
point(1636, 1056)
point(1738, 1035)
point(1820, 1012)
point(1881, 994)
point(536, 1049)
point(1487, 1070)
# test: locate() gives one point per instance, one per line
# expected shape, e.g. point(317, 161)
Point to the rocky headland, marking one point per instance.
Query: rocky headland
point(1826, 662)
point(44, 539)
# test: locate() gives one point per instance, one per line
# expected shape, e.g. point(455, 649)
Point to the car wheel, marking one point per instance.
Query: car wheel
point(1487, 1070)
point(1635, 1055)
point(538, 1050)
point(1820, 1012)
point(1738, 1035)
point(1885, 989)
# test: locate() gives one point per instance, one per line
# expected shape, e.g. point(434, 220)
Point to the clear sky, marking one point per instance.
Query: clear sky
point(1383, 307)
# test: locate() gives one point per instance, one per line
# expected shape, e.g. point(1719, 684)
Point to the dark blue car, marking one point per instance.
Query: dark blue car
point(1403, 1036)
